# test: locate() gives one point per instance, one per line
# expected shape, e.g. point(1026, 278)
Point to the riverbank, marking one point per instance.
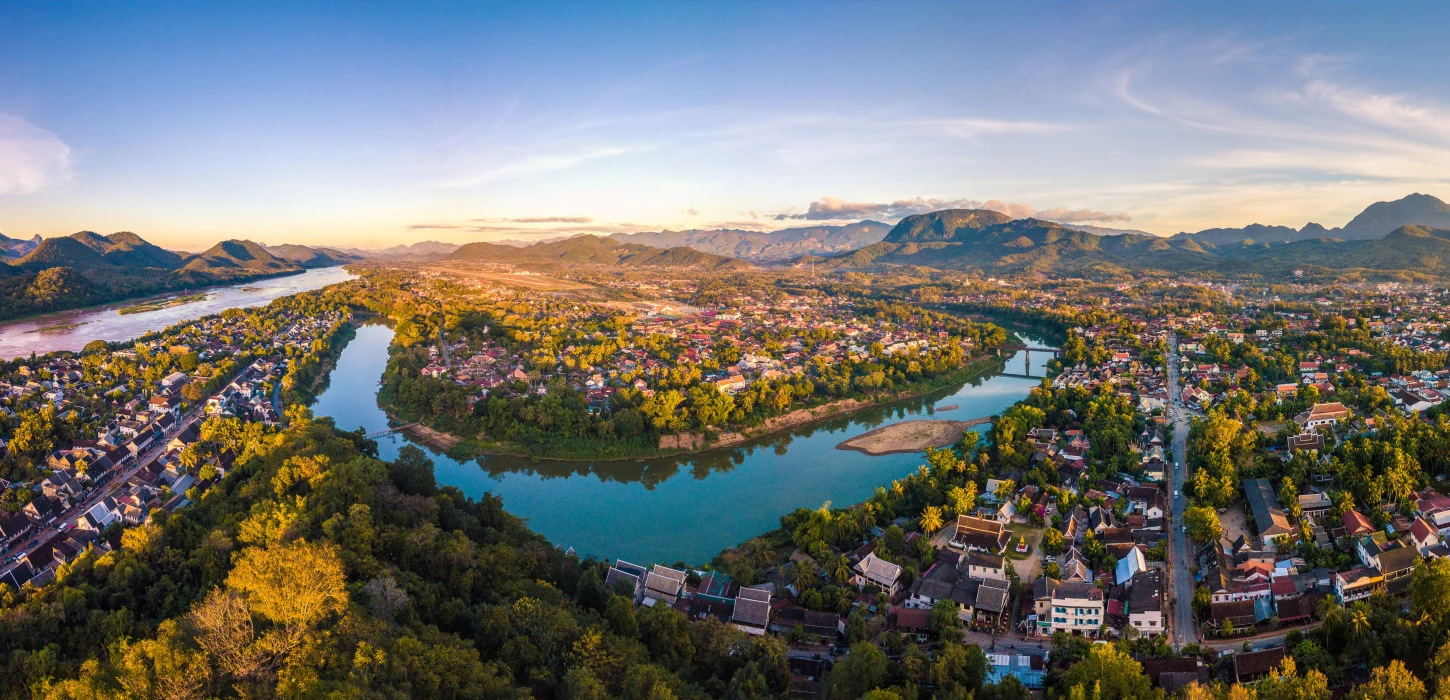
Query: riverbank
point(682, 444)
point(911, 436)
point(630, 508)
point(70, 331)
point(160, 304)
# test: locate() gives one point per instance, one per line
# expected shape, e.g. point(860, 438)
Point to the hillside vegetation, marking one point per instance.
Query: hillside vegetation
point(86, 268)
point(592, 250)
point(990, 242)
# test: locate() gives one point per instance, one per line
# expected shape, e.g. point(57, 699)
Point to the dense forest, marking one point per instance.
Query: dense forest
point(314, 569)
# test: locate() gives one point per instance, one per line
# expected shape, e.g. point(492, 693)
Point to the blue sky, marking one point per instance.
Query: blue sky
point(377, 124)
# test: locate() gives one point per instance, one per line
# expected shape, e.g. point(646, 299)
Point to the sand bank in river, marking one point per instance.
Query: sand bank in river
point(910, 436)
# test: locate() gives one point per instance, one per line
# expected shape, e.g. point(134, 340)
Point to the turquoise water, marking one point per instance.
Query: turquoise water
point(677, 509)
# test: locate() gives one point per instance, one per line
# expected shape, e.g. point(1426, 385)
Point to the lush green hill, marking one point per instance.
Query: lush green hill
point(310, 256)
point(766, 246)
point(87, 268)
point(593, 250)
point(945, 225)
point(232, 256)
point(968, 240)
point(62, 252)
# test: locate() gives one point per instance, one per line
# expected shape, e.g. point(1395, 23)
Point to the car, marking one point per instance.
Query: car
point(1185, 529)
point(1175, 493)
point(33, 543)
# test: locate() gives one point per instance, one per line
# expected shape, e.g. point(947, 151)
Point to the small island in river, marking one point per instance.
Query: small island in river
point(158, 304)
point(910, 436)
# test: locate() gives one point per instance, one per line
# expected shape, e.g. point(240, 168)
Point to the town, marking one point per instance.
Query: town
point(1236, 493)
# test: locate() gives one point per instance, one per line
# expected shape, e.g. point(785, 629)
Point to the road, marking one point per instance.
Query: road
point(1258, 642)
point(70, 517)
point(1180, 554)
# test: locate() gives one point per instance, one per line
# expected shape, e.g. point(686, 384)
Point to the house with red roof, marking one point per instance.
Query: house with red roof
point(1355, 523)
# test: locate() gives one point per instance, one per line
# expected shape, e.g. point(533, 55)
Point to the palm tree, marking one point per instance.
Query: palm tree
point(841, 569)
point(931, 519)
point(755, 553)
point(1359, 622)
point(803, 575)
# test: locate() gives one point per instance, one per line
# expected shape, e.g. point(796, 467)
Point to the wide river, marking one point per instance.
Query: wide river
point(678, 509)
point(71, 330)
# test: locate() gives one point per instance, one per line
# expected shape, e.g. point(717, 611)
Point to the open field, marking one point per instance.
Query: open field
point(910, 436)
point(535, 282)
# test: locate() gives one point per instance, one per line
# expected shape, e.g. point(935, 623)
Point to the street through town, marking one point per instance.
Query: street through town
point(70, 517)
point(1180, 554)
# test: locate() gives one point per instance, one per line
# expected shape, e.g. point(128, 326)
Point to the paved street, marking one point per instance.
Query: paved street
point(1180, 554)
point(71, 516)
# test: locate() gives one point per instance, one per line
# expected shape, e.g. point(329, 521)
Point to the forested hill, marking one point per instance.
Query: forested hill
point(766, 246)
point(991, 242)
point(316, 570)
point(593, 250)
point(86, 268)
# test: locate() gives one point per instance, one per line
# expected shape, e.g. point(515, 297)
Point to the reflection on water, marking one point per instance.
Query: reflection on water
point(649, 510)
point(71, 330)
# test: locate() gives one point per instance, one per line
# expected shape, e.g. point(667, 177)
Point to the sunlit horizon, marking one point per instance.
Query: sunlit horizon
point(348, 126)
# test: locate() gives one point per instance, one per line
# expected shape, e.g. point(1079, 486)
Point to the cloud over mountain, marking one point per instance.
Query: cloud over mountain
point(835, 209)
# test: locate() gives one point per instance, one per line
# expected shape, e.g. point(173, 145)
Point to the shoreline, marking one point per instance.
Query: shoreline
point(861, 443)
point(132, 301)
point(697, 443)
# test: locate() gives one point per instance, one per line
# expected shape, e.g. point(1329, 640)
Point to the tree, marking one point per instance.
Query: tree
point(296, 584)
point(1285, 683)
point(1052, 541)
point(1430, 591)
point(1392, 682)
point(1008, 688)
point(894, 540)
point(1203, 525)
point(931, 519)
point(963, 498)
point(862, 671)
point(959, 667)
point(945, 622)
point(1108, 674)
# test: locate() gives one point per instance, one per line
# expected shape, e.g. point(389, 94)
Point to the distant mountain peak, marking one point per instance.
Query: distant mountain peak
point(944, 225)
point(765, 246)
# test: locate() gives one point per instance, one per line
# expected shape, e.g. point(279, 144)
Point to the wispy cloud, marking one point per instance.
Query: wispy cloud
point(545, 220)
point(31, 158)
point(971, 128)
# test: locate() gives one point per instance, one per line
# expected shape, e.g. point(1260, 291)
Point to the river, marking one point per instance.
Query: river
point(71, 330)
point(676, 509)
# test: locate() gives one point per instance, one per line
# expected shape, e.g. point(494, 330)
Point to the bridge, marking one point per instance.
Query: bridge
point(1023, 348)
point(1026, 351)
point(389, 431)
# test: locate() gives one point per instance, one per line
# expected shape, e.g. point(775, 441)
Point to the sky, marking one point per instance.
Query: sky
point(376, 124)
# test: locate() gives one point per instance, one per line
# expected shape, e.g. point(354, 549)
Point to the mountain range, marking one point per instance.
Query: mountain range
point(965, 239)
point(594, 250)
point(86, 268)
point(1376, 221)
point(766, 246)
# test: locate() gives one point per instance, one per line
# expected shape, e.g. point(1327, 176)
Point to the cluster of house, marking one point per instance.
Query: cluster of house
point(97, 481)
point(751, 608)
point(247, 397)
point(1252, 584)
point(694, 336)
